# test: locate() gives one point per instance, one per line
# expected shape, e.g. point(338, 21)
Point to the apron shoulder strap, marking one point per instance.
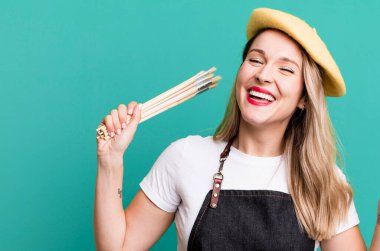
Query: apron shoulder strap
point(218, 177)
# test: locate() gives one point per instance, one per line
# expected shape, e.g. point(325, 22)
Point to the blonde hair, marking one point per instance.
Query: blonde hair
point(321, 197)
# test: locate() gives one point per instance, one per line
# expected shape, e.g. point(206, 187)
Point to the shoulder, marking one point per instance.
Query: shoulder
point(339, 172)
point(193, 142)
point(197, 139)
point(352, 218)
point(191, 148)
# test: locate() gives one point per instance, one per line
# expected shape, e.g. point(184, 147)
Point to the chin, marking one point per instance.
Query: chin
point(255, 121)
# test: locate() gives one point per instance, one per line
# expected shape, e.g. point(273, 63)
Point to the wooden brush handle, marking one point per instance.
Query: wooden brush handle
point(166, 100)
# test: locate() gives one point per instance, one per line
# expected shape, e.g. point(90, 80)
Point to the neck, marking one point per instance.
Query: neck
point(261, 142)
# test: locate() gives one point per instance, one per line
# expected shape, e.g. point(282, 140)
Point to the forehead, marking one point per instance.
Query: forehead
point(277, 44)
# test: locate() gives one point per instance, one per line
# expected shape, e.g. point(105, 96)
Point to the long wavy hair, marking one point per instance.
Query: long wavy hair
point(321, 196)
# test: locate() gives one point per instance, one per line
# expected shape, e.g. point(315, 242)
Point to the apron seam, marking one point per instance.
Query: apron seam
point(198, 224)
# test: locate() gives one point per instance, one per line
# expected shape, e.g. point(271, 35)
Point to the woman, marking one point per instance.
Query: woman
point(276, 150)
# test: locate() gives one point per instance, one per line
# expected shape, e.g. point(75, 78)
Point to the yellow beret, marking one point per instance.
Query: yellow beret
point(307, 37)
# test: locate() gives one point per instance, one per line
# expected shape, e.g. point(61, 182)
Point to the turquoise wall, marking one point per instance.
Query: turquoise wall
point(65, 64)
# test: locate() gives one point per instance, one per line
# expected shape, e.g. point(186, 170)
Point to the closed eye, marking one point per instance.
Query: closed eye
point(287, 69)
point(253, 60)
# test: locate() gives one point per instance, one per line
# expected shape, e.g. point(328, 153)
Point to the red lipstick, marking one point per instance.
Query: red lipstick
point(261, 102)
point(262, 90)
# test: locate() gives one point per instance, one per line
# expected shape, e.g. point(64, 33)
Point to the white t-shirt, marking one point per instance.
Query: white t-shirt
point(182, 176)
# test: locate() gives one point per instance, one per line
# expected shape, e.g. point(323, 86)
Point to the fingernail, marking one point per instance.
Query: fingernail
point(123, 125)
point(140, 106)
point(112, 134)
point(118, 131)
point(130, 111)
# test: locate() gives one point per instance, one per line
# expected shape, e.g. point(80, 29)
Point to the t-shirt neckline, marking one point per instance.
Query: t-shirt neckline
point(234, 152)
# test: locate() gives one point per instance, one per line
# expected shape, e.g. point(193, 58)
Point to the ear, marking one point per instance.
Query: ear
point(302, 103)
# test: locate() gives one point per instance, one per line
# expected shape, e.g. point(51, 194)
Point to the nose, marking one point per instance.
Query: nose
point(263, 75)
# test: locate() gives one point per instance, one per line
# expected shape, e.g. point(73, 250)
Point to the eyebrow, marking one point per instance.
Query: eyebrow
point(282, 58)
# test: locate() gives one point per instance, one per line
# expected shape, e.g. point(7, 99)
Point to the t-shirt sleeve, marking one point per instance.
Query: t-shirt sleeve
point(159, 185)
point(352, 218)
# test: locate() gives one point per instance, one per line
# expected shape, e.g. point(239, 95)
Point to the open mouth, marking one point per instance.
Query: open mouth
point(261, 96)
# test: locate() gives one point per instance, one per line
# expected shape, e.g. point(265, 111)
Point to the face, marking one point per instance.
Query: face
point(270, 81)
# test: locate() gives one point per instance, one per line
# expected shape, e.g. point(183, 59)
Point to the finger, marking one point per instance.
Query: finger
point(116, 121)
point(129, 119)
point(131, 107)
point(109, 125)
point(122, 109)
point(136, 116)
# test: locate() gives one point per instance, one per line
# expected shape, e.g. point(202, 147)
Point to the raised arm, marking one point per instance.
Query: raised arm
point(142, 223)
point(146, 223)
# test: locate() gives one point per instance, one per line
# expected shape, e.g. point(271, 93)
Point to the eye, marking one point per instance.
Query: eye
point(255, 61)
point(287, 69)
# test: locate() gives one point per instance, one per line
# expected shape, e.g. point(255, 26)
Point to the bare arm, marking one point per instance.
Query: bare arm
point(138, 228)
point(142, 223)
point(349, 240)
point(146, 223)
point(375, 245)
point(353, 240)
point(109, 220)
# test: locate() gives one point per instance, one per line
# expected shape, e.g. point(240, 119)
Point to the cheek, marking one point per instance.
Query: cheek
point(238, 90)
point(241, 82)
point(292, 89)
point(244, 77)
point(244, 72)
point(240, 79)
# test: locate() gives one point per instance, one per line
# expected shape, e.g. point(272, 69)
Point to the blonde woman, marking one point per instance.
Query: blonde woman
point(267, 178)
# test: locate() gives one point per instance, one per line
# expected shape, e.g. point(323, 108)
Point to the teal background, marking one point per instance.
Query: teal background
point(65, 64)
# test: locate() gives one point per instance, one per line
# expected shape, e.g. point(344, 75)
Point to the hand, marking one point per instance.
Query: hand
point(121, 125)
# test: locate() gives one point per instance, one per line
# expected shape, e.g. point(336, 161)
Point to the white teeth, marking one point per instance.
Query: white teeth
point(261, 95)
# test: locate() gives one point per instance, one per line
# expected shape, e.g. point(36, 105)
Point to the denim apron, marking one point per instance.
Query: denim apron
point(247, 220)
